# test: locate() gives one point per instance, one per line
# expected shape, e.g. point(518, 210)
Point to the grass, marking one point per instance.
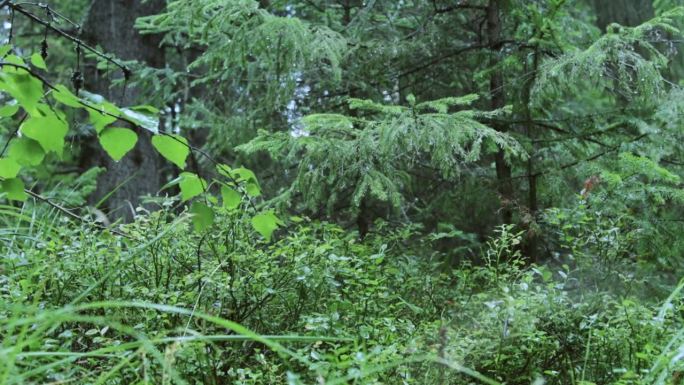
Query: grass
point(78, 306)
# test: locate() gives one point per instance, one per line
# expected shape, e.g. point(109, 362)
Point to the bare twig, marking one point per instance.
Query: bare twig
point(12, 135)
point(583, 160)
point(71, 214)
point(74, 39)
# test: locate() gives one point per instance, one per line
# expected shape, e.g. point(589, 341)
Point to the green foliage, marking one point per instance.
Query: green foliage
point(26, 152)
point(266, 223)
point(314, 304)
point(623, 62)
point(9, 168)
point(191, 185)
point(203, 216)
point(117, 142)
point(14, 189)
point(347, 112)
point(231, 198)
point(49, 131)
point(173, 148)
point(47, 126)
point(38, 61)
point(252, 61)
point(348, 159)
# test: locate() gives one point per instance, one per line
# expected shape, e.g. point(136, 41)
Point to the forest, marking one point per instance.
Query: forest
point(342, 192)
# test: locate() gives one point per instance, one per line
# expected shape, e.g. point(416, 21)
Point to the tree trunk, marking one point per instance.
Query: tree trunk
point(109, 23)
point(498, 100)
point(532, 239)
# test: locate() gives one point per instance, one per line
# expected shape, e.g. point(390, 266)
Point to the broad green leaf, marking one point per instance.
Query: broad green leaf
point(203, 216)
point(66, 97)
point(93, 98)
point(172, 147)
point(13, 59)
point(146, 121)
point(49, 131)
point(265, 224)
point(29, 91)
point(4, 50)
point(14, 188)
point(103, 116)
point(224, 170)
point(117, 142)
point(8, 110)
point(241, 175)
point(191, 185)
point(253, 189)
point(46, 110)
point(38, 61)
point(244, 174)
point(231, 198)
point(9, 168)
point(23, 87)
point(26, 152)
point(145, 109)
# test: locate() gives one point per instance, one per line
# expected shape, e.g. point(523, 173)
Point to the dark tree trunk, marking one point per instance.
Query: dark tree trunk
point(498, 100)
point(109, 23)
point(532, 239)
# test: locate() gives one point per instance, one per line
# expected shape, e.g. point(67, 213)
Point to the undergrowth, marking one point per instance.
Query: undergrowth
point(167, 305)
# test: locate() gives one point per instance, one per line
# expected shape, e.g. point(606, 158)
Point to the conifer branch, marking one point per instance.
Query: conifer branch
point(579, 161)
point(462, 5)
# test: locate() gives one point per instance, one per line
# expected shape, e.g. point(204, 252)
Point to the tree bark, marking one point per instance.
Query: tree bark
point(498, 100)
point(109, 23)
point(532, 239)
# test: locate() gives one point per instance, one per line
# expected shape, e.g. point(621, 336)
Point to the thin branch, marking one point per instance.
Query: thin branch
point(460, 6)
point(51, 11)
point(72, 215)
point(578, 161)
point(18, 8)
point(226, 173)
point(134, 124)
point(571, 135)
point(673, 162)
point(443, 57)
point(13, 135)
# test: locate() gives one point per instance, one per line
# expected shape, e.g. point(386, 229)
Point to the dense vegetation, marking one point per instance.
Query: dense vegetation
point(342, 192)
